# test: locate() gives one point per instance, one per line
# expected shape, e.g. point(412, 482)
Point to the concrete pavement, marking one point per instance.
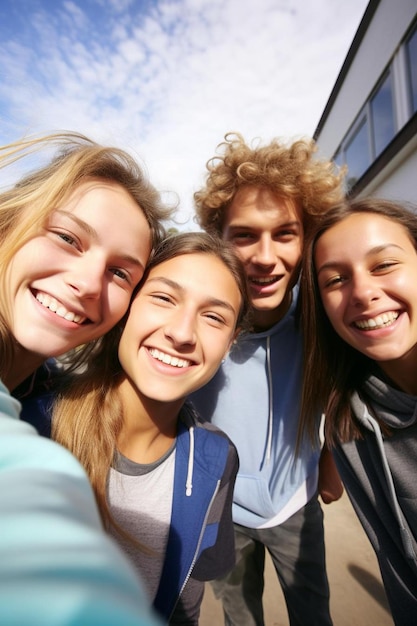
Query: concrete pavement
point(356, 592)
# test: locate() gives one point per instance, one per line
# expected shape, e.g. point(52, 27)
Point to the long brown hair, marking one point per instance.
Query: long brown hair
point(88, 417)
point(332, 368)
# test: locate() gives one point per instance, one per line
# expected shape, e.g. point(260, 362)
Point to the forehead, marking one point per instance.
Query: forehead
point(366, 229)
point(94, 187)
point(201, 274)
point(107, 212)
point(186, 270)
point(259, 205)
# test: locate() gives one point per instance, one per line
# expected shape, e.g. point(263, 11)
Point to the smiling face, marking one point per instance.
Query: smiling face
point(367, 275)
point(73, 281)
point(180, 326)
point(267, 234)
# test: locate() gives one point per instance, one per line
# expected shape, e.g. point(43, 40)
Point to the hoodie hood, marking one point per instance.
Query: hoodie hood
point(394, 407)
point(386, 400)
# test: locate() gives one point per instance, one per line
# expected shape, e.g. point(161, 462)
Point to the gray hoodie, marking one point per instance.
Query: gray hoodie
point(380, 476)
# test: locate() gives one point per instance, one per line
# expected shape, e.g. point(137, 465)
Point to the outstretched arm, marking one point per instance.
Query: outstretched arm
point(57, 565)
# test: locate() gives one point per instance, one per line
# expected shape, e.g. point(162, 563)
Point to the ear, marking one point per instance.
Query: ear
point(232, 341)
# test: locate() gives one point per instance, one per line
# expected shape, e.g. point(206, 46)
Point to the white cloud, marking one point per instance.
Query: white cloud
point(167, 79)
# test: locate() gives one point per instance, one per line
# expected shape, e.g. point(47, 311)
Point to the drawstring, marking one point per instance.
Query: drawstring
point(189, 482)
point(405, 535)
point(270, 400)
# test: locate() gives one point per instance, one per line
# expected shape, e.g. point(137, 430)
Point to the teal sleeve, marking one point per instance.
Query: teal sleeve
point(57, 566)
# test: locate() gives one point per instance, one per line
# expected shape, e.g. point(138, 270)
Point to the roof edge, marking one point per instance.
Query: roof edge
point(357, 40)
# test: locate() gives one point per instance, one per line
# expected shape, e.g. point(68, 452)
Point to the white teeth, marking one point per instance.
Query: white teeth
point(56, 307)
point(385, 319)
point(169, 360)
point(264, 281)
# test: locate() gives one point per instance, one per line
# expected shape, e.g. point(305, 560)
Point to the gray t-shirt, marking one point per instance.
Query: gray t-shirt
point(140, 498)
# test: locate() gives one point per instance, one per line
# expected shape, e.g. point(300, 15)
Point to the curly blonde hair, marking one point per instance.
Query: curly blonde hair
point(288, 170)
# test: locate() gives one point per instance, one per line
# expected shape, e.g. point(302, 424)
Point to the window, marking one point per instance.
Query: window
point(391, 103)
point(382, 115)
point(357, 153)
point(411, 47)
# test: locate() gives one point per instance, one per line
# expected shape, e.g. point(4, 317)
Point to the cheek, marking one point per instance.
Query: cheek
point(215, 350)
point(115, 305)
point(290, 256)
point(296, 254)
point(123, 348)
point(404, 283)
point(30, 257)
point(243, 253)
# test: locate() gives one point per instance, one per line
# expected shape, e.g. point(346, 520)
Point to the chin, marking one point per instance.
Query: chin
point(265, 305)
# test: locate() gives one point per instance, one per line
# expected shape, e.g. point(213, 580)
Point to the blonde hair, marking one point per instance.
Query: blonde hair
point(24, 208)
point(289, 171)
point(88, 416)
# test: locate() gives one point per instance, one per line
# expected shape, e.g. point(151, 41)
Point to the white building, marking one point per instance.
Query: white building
point(370, 120)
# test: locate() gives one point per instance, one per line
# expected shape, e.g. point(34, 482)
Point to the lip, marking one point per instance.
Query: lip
point(174, 362)
point(267, 284)
point(62, 311)
point(376, 321)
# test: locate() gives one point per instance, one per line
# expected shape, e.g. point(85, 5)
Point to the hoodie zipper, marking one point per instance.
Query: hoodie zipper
point(203, 528)
point(270, 401)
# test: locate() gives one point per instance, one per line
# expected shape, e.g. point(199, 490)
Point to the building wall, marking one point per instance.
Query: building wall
point(388, 26)
point(398, 180)
point(375, 46)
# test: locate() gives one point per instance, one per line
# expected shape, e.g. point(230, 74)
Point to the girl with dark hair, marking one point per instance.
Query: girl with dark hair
point(359, 296)
point(163, 479)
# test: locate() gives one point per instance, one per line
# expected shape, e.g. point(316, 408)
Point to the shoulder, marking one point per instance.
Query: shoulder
point(192, 417)
point(37, 394)
point(211, 442)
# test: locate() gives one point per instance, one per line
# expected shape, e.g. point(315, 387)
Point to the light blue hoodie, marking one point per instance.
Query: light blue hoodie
point(254, 398)
point(57, 566)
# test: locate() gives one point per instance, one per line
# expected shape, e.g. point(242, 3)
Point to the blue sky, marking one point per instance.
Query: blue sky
point(166, 79)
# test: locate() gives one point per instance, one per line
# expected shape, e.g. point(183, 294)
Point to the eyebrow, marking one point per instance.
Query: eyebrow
point(235, 226)
point(174, 285)
point(91, 232)
point(375, 250)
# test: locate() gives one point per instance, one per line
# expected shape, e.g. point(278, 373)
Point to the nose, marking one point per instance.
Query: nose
point(264, 252)
point(181, 329)
point(86, 277)
point(364, 289)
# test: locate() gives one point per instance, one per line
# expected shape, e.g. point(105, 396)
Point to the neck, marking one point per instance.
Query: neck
point(264, 320)
point(24, 363)
point(149, 426)
point(402, 374)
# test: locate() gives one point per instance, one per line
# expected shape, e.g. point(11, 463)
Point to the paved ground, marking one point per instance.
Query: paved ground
point(356, 592)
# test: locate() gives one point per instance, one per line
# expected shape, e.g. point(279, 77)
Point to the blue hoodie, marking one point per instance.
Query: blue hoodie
point(254, 398)
point(201, 537)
